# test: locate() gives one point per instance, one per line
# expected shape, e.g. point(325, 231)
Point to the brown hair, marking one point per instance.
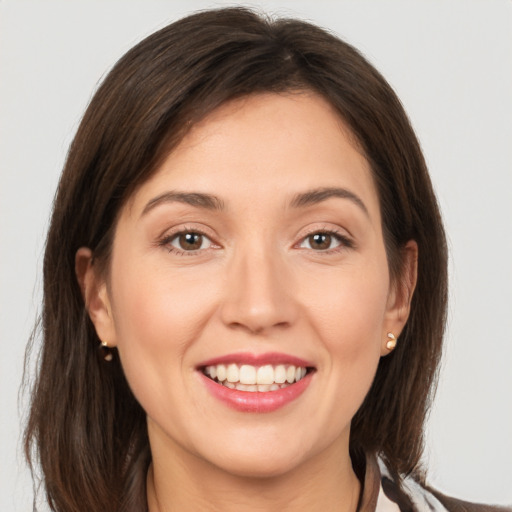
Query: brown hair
point(85, 427)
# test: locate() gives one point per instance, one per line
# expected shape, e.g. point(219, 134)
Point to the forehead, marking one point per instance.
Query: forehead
point(283, 143)
point(272, 121)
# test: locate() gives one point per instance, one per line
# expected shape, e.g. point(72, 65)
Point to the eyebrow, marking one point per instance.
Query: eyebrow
point(211, 202)
point(197, 199)
point(318, 195)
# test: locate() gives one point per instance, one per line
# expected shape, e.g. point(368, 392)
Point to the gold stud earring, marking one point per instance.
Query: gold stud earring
point(391, 344)
point(105, 350)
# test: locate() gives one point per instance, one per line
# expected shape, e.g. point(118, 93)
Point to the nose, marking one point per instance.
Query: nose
point(259, 293)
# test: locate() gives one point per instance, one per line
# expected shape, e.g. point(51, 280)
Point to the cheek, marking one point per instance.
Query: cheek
point(349, 307)
point(348, 318)
point(157, 316)
point(160, 308)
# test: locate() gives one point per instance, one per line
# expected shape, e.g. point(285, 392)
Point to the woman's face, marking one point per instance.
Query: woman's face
point(254, 255)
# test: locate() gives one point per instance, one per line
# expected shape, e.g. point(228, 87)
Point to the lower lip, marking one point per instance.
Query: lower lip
point(257, 401)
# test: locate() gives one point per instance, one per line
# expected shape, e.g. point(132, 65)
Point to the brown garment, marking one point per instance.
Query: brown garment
point(455, 505)
point(409, 495)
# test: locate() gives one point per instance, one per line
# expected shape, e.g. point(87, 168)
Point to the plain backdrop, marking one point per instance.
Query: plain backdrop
point(451, 64)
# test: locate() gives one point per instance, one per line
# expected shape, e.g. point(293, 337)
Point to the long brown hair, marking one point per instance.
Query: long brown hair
point(86, 429)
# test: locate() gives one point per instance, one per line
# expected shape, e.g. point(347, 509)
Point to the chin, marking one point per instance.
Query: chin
point(260, 457)
point(258, 467)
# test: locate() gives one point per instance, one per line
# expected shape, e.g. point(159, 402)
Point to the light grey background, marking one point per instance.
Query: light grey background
point(451, 64)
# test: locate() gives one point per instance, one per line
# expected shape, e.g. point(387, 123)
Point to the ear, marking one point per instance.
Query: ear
point(95, 295)
point(400, 295)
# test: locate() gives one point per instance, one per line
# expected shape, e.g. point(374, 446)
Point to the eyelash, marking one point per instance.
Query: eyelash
point(344, 242)
point(166, 241)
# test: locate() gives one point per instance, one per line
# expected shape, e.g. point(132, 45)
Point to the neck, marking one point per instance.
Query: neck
point(180, 481)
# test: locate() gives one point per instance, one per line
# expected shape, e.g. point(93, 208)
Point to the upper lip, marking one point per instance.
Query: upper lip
point(273, 358)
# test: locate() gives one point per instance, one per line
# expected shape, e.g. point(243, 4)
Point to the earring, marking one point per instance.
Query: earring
point(391, 344)
point(105, 351)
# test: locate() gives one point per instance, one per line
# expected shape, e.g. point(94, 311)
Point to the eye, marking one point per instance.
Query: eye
point(322, 241)
point(190, 241)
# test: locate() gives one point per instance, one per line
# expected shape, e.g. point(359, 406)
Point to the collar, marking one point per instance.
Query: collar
point(382, 493)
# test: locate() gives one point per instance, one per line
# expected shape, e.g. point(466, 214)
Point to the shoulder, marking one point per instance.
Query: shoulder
point(411, 496)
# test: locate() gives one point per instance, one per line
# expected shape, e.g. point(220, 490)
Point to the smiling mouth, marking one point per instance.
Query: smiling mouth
point(251, 378)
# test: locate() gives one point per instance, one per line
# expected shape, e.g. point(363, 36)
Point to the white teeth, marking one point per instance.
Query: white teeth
point(280, 374)
point(252, 388)
point(290, 374)
point(265, 375)
point(232, 373)
point(248, 374)
point(221, 373)
point(251, 378)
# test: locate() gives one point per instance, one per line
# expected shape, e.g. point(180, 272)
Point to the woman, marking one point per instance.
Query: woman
point(244, 282)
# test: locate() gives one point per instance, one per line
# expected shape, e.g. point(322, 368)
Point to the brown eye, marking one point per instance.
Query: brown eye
point(321, 241)
point(190, 241)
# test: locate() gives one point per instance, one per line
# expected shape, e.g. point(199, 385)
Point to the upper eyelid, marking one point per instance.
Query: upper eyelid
point(324, 228)
point(180, 229)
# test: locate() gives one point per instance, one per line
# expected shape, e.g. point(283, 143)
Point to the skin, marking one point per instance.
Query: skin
point(258, 283)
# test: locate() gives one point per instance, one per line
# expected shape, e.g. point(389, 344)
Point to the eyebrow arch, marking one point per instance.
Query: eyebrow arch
point(318, 195)
point(197, 199)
